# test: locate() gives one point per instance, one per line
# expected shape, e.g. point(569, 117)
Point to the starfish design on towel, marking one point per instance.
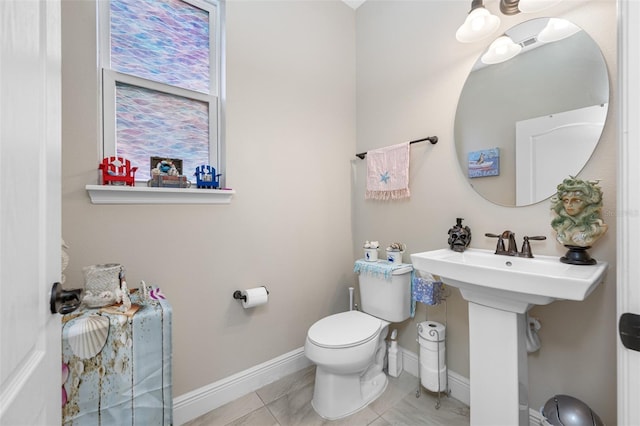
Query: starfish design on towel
point(385, 177)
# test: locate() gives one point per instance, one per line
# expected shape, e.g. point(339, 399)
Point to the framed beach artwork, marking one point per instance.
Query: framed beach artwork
point(485, 162)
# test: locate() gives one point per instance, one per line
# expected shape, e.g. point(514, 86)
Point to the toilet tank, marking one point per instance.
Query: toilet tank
point(387, 299)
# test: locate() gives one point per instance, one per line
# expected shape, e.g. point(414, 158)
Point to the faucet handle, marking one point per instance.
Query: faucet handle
point(500, 246)
point(526, 247)
point(513, 247)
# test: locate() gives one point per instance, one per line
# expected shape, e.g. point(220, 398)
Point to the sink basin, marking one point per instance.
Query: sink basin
point(500, 291)
point(510, 283)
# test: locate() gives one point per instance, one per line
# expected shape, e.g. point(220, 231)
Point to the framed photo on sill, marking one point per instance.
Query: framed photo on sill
point(155, 163)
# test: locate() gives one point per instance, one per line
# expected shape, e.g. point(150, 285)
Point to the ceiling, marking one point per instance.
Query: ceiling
point(354, 3)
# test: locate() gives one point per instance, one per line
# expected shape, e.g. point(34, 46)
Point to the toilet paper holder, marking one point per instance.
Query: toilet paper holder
point(239, 296)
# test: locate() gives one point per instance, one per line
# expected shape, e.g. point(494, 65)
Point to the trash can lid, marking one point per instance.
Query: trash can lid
point(565, 410)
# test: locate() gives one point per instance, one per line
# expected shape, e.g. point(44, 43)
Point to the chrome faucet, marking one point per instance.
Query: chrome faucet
point(512, 249)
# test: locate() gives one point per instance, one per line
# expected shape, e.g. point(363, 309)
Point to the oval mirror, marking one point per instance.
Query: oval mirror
point(525, 124)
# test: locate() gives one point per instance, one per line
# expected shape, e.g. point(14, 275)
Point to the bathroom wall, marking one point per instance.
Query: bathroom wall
point(410, 72)
point(290, 134)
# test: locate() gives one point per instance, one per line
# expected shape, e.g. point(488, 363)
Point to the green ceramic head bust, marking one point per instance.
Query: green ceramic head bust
point(578, 206)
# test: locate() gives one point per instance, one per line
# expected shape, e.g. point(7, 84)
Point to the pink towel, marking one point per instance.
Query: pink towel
point(388, 173)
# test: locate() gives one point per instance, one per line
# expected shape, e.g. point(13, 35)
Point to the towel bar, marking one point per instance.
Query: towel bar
point(432, 139)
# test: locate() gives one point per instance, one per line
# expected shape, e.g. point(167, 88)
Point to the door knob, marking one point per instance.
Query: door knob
point(629, 329)
point(64, 301)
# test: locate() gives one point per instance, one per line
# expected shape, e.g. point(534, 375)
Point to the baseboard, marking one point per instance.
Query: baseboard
point(535, 418)
point(459, 385)
point(193, 404)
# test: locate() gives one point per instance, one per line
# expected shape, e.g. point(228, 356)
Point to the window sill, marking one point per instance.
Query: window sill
point(114, 194)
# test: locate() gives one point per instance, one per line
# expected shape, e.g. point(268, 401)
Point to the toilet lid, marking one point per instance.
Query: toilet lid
point(345, 329)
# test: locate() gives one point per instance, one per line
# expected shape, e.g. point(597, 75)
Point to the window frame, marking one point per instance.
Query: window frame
point(109, 78)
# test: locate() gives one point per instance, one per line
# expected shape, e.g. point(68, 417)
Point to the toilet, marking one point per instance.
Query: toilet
point(349, 348)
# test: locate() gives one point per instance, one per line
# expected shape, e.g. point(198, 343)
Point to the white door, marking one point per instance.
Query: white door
point(30, 120)
point(552, 147)
point(628, 212)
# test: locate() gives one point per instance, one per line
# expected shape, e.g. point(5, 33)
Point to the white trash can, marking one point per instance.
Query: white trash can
point(433, 369)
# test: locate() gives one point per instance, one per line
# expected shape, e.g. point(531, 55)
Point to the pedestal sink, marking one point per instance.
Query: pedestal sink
point(500, 290)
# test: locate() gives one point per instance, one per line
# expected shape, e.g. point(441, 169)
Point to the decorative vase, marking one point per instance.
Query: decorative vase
point(459, 236)
point(371, 254)
point(102, 284)
point(394, 256)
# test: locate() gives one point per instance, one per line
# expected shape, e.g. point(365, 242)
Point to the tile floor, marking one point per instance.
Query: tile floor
point(287, 402)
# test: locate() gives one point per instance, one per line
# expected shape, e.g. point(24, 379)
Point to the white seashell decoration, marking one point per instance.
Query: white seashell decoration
point(78, 367)
point(88, 335)
point(102, 284)
point(65, 260)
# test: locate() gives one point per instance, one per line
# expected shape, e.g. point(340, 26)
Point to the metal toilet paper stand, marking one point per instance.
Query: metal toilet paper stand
point(440, 341)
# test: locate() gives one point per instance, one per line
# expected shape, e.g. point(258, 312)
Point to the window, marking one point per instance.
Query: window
point(161, 81)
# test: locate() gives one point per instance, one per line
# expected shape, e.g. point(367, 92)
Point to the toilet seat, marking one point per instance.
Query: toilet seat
point(344, 330)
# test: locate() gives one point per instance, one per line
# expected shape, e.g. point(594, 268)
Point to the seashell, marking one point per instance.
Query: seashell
point(78, 367)
point(65, 372)
point(88, 335)
point(65, 260)
point(120, 366)
point(396, 247)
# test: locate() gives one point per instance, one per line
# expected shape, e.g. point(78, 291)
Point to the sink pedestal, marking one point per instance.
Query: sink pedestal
point(498, 367)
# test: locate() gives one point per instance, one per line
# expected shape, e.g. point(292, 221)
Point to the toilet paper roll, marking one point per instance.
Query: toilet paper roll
point(433, 359)
point(432, 331)
point(429, 379)
point(255, 297)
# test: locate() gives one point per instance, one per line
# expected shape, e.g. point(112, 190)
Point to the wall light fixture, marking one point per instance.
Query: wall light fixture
point(480, 24)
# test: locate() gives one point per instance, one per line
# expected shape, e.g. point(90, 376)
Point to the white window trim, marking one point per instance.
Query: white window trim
point(110, 79)
point(141, 194)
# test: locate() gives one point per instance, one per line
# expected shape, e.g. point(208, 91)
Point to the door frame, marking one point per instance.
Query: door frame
point(628, 214)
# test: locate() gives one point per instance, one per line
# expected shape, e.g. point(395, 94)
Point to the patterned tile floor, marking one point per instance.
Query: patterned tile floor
point(287, 402)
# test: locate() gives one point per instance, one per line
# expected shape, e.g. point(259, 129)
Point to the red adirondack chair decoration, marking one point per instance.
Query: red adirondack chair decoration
point(116, 170)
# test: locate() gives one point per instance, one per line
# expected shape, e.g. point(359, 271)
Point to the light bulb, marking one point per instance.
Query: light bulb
point(502, 49)
point(479, 24)
point(557, 29)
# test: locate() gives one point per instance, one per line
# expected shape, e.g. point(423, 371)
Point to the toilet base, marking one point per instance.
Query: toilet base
point(338, 396)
